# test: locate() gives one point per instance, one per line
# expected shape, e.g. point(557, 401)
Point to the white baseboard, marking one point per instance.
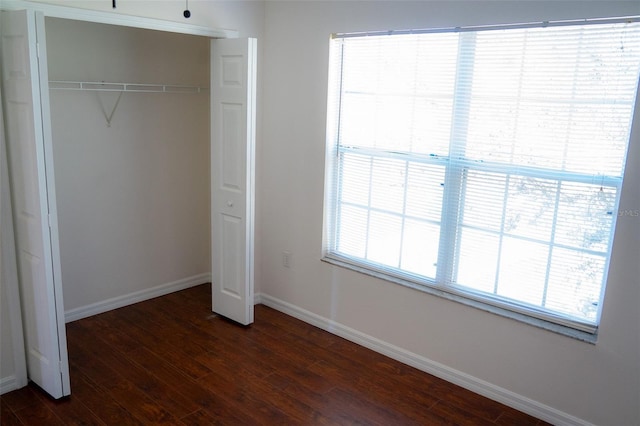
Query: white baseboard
point(135, 297)
point(8, 384)
point(481, 387)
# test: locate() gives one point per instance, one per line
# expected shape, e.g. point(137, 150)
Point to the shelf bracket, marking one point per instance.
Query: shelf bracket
point(109, 116)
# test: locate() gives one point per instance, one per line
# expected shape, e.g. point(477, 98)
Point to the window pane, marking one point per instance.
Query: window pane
point(431, 125)
point(352, 231)
point(391, 65)
point(385, 232)
point(355, 173)
point(530, 207)
point(541, 133)
point(358, 112)
point(585, 216)
point(550, 61)
point(575, 282)
point(394, 99)
point(420, 248)
point(388, 184)
point(552, 98)
point(523, 267)
point(377, 121)
point(424, 191)
point(594, 127)
point(491, 67)
point(478, 260)
point(490, 131)
point(484, 200)
point(396, 123)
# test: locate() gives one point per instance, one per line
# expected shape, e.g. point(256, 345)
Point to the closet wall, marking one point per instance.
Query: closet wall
point(133, 195)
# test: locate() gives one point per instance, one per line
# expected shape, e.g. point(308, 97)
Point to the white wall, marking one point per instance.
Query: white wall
point(561, 377)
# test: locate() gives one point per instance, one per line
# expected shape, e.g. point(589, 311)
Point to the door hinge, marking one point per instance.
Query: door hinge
point(38, 50)
point(49, 220)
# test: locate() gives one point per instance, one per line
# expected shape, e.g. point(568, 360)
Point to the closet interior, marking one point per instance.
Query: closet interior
point(130, 123)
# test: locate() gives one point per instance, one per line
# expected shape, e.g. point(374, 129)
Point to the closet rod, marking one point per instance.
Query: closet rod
point(124, 87)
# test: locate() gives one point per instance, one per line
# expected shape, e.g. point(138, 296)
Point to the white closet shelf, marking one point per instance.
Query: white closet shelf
point(124, 87)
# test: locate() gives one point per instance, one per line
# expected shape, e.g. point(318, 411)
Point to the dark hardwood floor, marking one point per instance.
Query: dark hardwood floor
point(170, 361)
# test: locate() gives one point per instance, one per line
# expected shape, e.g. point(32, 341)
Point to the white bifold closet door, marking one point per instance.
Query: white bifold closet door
point(26, 105)
point(233, 98)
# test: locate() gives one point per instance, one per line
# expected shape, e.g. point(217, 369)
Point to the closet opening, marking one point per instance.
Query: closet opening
point(130, 115)
point(130, 127)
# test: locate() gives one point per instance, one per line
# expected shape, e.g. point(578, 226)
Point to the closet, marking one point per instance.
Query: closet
point(131, 160)
point(131, 170)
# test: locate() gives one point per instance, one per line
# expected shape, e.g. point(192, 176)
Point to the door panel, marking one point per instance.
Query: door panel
point(231, 280)
point(233, 82)
point(27, 117)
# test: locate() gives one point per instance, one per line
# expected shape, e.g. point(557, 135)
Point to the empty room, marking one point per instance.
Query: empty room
point(320, 212)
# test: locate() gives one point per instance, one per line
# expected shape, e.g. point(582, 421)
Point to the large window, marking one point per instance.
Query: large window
point(486, 163)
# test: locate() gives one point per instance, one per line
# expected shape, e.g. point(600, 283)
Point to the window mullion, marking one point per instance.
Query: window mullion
point(454, 175)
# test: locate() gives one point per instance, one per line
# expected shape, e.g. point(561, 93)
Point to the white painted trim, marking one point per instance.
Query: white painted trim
point(135, 297)
point(113, 18)
point(474, 384)
point(10, 383)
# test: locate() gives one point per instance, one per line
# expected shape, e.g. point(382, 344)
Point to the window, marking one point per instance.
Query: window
point(485, 163)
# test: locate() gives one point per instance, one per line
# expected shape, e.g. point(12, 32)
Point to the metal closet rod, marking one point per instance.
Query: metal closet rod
point(124, 87)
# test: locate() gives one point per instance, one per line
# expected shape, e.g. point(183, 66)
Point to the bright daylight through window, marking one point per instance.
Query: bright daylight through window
point(486, 163)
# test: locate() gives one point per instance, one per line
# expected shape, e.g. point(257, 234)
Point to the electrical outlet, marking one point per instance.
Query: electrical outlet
point(286, 259)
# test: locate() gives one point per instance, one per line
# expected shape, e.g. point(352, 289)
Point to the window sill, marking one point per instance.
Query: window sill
point(496, 310)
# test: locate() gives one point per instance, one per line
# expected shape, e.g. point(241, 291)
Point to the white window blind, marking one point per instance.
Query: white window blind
point(484, 163)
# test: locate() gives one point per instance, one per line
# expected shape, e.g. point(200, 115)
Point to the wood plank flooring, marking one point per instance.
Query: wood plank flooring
point(171, 361)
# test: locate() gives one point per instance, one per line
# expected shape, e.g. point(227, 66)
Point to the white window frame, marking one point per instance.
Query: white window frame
point(444, 283)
